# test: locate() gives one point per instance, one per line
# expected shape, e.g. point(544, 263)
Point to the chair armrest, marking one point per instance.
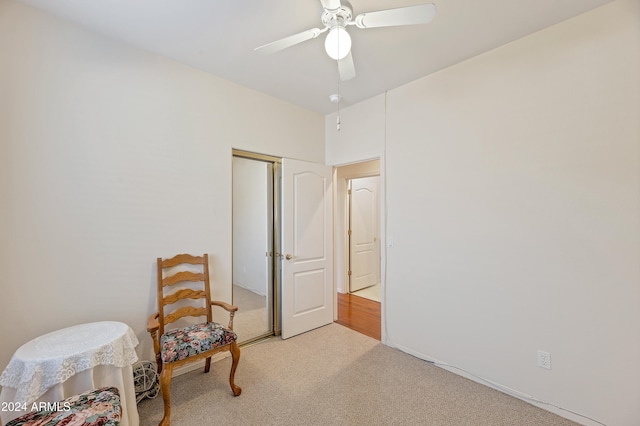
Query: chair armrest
point(153, 326)
point(226, 306)
point(152, 323)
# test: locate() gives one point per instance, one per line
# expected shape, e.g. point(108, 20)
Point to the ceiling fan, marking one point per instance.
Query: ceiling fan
point(337, 16)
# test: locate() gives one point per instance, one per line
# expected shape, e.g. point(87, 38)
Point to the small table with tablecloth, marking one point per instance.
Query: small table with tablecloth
point(67, 362)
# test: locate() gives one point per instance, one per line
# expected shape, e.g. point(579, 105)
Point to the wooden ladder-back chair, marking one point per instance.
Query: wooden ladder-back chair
point(178, 346)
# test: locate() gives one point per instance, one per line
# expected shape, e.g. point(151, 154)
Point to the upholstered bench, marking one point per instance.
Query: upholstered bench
point(98, 407)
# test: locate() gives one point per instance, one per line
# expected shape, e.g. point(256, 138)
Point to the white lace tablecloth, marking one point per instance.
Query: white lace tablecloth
point(40, 368)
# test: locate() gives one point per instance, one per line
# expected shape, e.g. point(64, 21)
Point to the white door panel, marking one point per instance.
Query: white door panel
point(309, 291)
point(307, 269)
point(364, 240)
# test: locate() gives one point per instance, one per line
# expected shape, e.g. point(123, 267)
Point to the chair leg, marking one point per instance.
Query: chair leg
point(159, 362)
point(235, 355)
point(207, 365)
point(165, 389)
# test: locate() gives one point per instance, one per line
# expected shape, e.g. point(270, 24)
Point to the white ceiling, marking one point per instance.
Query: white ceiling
point(219, 37)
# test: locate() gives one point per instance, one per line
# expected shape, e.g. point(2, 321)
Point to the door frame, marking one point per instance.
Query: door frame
point(275, 241)
point(342, 174)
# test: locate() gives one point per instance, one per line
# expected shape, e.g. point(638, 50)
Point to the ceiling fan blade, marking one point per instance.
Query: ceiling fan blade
point(283, 43)
point(331, 4)
point(346, 69)
point(411, 15)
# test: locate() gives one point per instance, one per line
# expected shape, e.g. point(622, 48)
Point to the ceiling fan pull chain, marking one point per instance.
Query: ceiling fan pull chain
point(339, 102)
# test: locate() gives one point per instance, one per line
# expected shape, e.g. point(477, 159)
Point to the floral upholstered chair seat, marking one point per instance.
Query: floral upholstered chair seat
point(99, 407)
point(182, 343)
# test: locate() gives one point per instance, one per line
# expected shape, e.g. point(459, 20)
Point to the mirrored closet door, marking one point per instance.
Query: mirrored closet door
point(254, 227)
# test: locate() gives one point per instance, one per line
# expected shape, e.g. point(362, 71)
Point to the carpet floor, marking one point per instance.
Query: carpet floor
point(336, 376)
point(252, 319)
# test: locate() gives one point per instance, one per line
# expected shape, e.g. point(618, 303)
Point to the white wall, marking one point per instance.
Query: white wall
point(513, 197)
point(251, 238)
point(361, 135)
point(111, 157)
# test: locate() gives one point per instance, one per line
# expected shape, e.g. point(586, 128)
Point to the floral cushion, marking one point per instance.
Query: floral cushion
point(99, 407)
point(184, 342)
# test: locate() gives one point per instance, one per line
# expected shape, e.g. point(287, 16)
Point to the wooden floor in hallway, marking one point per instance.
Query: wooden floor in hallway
point(359, 314)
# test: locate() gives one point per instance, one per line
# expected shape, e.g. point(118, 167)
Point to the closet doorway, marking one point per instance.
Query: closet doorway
point(255, 228)
point(282, 246)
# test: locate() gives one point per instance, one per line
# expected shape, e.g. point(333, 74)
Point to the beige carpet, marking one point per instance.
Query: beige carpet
point(336, 376)
point(252, 318)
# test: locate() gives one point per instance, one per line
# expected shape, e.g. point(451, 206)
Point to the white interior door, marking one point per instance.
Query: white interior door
point(307, 246)
point(364, 254)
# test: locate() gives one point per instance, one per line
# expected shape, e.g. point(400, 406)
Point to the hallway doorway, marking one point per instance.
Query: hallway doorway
point(358, 247)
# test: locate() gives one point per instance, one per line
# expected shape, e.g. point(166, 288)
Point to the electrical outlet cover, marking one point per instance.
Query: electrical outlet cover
point(544, 359)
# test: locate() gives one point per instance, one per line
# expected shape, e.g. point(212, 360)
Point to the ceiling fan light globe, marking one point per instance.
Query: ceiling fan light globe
point(338, 43)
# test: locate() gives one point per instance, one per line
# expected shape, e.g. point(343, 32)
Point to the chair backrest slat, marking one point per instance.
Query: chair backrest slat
point(198, 299)
point(185, 311)
point(181, 277)
point(182, 258)
point(184, 294)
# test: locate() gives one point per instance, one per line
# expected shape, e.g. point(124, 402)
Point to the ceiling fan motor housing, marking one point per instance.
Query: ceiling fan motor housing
point(339, 17)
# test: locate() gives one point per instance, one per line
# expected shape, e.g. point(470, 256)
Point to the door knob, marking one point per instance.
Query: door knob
point(288, 256)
